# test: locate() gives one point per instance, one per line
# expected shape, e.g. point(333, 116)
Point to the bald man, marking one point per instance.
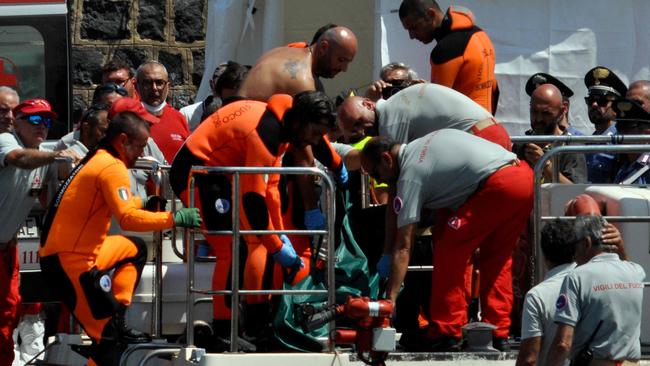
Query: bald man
point(640, 92)
point(416, 111)
point(547, 111)
point(293, 69)
point(298, 67)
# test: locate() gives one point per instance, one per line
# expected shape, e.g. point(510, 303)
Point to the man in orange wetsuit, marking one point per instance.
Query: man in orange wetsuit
point(463, 58)
point(248, 133)
point(77, 256)
point(291, 69)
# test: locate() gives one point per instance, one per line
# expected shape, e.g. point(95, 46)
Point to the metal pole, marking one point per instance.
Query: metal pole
point(365, 191)
point(158, 243)
point(188, 239)
point(613, 139)
point(234, 299)
point(331, 259)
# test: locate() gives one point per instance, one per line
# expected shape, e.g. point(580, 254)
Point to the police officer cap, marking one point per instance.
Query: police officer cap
point(628, 110)
point(602, 81)
point(542, 78)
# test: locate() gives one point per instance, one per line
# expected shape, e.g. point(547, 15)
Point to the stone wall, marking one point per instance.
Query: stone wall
point(170, 31)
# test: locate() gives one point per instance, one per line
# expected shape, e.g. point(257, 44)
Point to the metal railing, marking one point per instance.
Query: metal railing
point(236, 232)
point(536, 270)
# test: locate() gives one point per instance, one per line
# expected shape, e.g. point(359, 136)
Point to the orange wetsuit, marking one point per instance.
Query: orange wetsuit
point(464, 59)
point(75, 240)
point(243, 133)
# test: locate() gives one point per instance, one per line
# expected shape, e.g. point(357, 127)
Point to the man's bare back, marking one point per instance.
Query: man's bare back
point(285, 70)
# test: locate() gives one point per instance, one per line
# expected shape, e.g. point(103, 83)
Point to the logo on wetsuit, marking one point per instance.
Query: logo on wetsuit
point(222, 205)
point(123, 193)
point(456, 222)
point(105, 283)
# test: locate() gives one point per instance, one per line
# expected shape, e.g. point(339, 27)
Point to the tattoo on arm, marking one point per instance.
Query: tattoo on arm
point(292, 67)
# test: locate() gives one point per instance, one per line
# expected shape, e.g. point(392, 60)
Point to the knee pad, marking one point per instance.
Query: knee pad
point(97, 286)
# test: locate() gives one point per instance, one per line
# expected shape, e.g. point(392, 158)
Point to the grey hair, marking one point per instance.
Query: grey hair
point(590, 227)
point(6, 89)
point(138, 72)
point(412, 75)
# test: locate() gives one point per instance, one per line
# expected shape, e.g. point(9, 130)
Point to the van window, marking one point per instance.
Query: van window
point(22, 60)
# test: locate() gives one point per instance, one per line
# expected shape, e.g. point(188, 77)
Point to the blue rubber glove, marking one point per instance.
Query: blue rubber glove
point(341, 176)
point(287, 256)
point(314, 219)
point(383, 266)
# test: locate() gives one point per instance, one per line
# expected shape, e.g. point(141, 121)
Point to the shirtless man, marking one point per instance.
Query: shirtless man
point(295, 68)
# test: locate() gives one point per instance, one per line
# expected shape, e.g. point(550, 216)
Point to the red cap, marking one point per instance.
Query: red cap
point(35, 106)
point(131, 105)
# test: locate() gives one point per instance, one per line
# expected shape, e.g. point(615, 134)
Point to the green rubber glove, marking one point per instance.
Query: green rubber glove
point(188, 217)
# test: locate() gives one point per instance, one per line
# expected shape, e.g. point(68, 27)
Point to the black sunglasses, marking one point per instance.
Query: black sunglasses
point(601, 101)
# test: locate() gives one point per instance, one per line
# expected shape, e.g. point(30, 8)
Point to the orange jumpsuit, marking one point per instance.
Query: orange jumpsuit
point(75, 238)
point(243, 133)
point(464, 59)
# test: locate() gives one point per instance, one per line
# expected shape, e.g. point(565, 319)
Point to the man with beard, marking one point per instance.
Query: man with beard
point(547, 111)
point(604, 89)
point(153, 86)
point(254, 134)
point(540, 78)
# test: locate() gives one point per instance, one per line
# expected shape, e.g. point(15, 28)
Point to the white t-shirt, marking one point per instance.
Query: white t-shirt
point(15, 199)
point(423, 108)
point(441, 170)
point(193, 113)
point(539, 309)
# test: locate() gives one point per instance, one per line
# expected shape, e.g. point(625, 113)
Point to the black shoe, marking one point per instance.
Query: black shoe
point(220, 341)
point(445, 344)
point(501, 344)
point(126, 334)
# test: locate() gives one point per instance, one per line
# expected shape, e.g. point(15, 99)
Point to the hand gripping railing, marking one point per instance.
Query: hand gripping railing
point(537, 271)
point(236, 232)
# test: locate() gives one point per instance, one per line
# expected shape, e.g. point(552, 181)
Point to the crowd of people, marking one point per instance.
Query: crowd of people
point(436, 155)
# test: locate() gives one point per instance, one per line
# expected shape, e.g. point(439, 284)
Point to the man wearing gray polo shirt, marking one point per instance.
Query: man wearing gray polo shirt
point(483, 195)
point(599, 306)
point(23, 173)
point(416, 111)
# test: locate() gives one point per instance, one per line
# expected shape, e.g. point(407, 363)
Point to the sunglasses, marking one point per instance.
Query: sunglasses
point(36, 120)
point(601, 101)
point(111, 88)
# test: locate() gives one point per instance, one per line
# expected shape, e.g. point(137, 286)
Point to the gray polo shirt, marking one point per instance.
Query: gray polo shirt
point(539, 309)
point(424, 108)
point(441, 170)
point(15, 199)
point(607, 289)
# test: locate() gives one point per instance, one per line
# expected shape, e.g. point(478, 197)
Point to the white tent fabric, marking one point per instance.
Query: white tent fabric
point(240, 31)
point(562, 38)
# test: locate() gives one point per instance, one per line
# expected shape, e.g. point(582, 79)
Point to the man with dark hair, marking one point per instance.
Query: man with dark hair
point(226, 80)
point(599, 306)
point(249, 133)
point(463, 58)
point(547, 110)
point(152, 83)
point(463, 177)
point(604, 88)
point(77, 255)
point(118, 72)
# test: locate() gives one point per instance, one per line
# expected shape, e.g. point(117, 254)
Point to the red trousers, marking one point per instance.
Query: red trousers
point(9, 301)
point(494, 133)
point(491, 219)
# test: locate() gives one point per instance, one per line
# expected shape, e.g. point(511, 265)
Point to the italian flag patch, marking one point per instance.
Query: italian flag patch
point(123, 193)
